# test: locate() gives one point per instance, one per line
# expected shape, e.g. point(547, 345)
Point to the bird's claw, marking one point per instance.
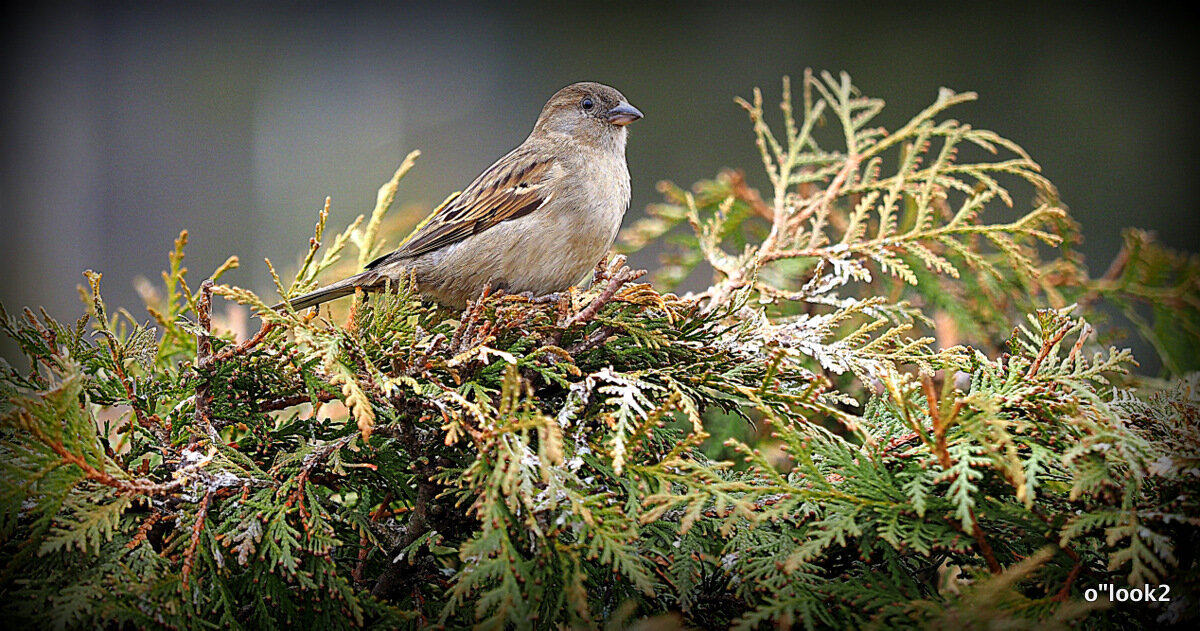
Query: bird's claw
point(547, 299)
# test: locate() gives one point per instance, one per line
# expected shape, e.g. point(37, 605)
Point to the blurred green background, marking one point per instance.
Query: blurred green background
point(122, 123)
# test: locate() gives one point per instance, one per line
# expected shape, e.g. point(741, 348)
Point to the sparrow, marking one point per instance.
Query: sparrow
point(536, 222)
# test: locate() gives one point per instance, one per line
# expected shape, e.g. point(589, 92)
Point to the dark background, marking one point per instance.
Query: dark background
point(122, 123)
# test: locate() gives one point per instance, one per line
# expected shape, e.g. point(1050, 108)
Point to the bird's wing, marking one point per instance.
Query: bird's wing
point(514, 186)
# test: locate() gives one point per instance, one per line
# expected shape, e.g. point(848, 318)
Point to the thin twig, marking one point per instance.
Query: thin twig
point(50, 337)
point(363, 549)
point(1083, 336)
point(593, 340)
point(625, 275)
point(189, 557)
point(984, 547)
point(203, 358)
point(296, 399)
point(138, 486)
point(748, 194)
point(1065, 593)
point(939, 429)
point(232, 351)
point(1047, 345)
point(1115, 269)
point(470, 317)
point(418, 525)
point(143, 531)
point(127, 385)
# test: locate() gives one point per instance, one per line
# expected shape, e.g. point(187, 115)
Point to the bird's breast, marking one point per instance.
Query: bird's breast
point(545, 251)
point(562, 242)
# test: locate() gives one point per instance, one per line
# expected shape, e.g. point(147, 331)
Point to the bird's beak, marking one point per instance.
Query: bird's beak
point(623, 114)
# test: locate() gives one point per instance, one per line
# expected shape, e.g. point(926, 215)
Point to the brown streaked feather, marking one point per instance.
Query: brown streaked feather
point(512, 187)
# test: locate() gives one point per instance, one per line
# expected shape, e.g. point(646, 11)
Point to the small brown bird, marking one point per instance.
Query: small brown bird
point(535, 221)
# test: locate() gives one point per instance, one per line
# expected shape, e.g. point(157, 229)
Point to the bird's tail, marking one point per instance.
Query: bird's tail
point(325, 294)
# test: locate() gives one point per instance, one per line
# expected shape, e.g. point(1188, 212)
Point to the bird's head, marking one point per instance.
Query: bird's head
point(587, 110)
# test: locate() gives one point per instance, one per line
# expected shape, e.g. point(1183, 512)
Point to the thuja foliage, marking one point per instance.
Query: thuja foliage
point(921, 427)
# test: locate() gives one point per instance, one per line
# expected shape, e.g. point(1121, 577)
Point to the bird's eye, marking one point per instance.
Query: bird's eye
point(586, 104)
